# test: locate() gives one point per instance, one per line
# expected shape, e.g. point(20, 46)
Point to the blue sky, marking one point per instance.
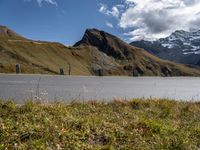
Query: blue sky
point(66, 20)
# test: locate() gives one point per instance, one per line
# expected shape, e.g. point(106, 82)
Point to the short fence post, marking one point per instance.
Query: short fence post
point(18, 68)
point(62, 71)
point(69, 70)
point(100, 72)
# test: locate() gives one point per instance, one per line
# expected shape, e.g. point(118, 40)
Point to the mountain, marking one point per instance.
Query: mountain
point(106, 43)
point(134, 60)
point(181, 47)
point(98, 53)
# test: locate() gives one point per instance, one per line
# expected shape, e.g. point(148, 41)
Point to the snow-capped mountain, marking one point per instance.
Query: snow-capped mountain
point(181, 46)
point(189, 42)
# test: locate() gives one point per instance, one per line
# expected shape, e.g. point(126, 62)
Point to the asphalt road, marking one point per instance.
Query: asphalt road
point(70, 88)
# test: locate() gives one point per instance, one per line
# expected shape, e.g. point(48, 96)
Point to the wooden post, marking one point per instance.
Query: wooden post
point(135, 73)
point(18, 68)
point(100, 72)
point(62, 71)
point(69, 69)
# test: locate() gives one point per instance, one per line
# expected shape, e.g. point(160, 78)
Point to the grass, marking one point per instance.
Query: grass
point(137, 124)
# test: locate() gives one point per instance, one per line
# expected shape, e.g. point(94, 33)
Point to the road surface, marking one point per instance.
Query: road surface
point(69, 88)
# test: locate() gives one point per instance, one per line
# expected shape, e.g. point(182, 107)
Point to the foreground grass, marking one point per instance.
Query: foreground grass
point(147, 124)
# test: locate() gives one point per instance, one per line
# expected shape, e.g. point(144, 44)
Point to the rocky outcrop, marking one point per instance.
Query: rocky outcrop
point(107, 43)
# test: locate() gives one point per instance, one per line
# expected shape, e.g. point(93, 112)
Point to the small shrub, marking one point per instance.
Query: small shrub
point(135, 104)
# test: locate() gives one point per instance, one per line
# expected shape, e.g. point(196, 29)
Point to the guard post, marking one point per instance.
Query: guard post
point(18, 68)
point(69, 69)
point(62, 71)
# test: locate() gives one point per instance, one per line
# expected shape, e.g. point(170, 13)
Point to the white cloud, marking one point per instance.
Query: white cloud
point(113, 12)
point(53, 2)
point(110, 25)
point(152, 19)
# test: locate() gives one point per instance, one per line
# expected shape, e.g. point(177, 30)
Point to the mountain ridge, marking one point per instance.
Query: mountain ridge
point(139, 60)
point(181, 47)
point(97, 53)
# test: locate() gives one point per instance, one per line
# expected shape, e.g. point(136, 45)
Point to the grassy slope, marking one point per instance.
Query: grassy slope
point(41, 57)
point(145, 60)
point(149, 124)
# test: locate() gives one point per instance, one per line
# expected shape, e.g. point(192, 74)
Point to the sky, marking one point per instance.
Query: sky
point(65, 21)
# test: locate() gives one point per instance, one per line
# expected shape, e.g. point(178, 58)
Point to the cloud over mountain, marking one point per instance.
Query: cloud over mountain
point(151, 19)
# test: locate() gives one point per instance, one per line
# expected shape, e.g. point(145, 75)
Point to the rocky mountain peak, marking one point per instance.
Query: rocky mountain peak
point(180, 33)
point(91, 37)
point(107, 43)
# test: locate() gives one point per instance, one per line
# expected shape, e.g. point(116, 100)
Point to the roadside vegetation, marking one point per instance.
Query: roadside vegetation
point(137, 124)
